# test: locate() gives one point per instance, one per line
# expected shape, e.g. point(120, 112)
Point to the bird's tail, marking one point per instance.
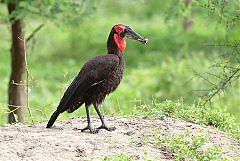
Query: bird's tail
point(53, 119)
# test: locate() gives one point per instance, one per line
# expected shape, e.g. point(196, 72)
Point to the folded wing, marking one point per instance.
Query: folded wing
point(93, 72)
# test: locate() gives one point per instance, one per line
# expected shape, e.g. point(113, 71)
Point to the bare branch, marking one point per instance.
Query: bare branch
point(233, 75)
point(27, 83)
point(34, 32)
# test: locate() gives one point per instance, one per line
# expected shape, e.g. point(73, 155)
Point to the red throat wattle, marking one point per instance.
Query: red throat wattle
point(121, 43)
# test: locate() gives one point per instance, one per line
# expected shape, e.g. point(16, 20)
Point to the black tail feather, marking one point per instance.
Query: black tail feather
point(53, 119)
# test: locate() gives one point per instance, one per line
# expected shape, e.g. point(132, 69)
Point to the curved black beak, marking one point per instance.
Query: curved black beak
point(129, 33)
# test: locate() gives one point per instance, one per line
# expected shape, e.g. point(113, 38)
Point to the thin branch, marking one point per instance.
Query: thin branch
point(18, 84)
point(15, 108)
point(206, 79)
point(214, 75)
point(42, 115)
point(34, 32)
point(27, 83)
point(14, 105)
point(221, 86)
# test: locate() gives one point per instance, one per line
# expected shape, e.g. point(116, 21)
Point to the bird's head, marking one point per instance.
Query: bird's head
point(119, 32)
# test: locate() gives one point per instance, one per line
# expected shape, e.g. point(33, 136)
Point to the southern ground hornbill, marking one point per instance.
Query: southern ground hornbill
point(98, 77)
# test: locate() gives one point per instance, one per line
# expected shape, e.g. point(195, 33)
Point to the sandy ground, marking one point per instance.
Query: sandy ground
point(66, 142)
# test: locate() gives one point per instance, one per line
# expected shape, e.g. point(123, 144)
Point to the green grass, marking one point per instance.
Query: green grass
point(161, 70)
point(157, 76)
point(210, 116)
point(168, 80)
point(124, 157)
point(119, 157)
point(184, 146)
point(181, 146)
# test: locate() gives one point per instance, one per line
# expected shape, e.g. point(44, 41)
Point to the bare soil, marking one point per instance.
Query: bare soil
point(65, 141)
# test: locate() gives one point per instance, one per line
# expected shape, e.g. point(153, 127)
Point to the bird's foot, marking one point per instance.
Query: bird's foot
point(107, 128)
point(92, 130)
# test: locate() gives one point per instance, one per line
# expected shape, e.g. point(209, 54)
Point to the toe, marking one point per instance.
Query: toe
point(93, 131)
point(86, 128)
point(107, 128)
point(111, 128)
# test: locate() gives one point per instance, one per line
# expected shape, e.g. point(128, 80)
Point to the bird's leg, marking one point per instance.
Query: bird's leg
point(103, 126)
point(89, 126)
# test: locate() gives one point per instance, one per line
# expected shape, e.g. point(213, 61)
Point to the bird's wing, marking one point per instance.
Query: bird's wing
point(93, 72)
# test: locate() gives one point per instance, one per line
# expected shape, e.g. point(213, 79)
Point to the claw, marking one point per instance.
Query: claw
point(92, 130)
point(107, 128)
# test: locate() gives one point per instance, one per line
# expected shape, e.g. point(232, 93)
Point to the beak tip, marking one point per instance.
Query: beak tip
point(144, 41)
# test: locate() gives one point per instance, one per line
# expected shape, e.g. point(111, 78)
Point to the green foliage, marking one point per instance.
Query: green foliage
point(162, 70)
point(69, 12)
point(124, 157)
point(225, 11)
point(227, 14)
point(211, 116)
point(119, 157)
point(184, 146)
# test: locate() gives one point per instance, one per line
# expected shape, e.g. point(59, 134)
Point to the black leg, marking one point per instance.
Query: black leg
point(103, 126)
point(89, 126)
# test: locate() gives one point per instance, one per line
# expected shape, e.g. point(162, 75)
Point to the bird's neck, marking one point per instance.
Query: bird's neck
point(115, 52)
point(115, 44)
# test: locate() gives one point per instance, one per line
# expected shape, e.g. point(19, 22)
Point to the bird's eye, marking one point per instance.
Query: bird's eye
point(119, 30)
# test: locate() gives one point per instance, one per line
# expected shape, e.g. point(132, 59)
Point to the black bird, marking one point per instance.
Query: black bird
point(98, 77)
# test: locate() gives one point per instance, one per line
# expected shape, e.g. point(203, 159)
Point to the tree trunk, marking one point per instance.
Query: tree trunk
point(17, 88)
point(187, 22)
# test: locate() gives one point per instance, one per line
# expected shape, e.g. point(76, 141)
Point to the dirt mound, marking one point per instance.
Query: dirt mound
point(66, 142)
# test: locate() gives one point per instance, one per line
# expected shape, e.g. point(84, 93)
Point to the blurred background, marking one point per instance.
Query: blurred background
point(175, 65)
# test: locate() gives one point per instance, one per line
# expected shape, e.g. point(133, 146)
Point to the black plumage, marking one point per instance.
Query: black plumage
point(98, 77)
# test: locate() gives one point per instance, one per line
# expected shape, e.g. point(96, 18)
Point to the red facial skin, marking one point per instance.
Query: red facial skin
point(121, 43)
